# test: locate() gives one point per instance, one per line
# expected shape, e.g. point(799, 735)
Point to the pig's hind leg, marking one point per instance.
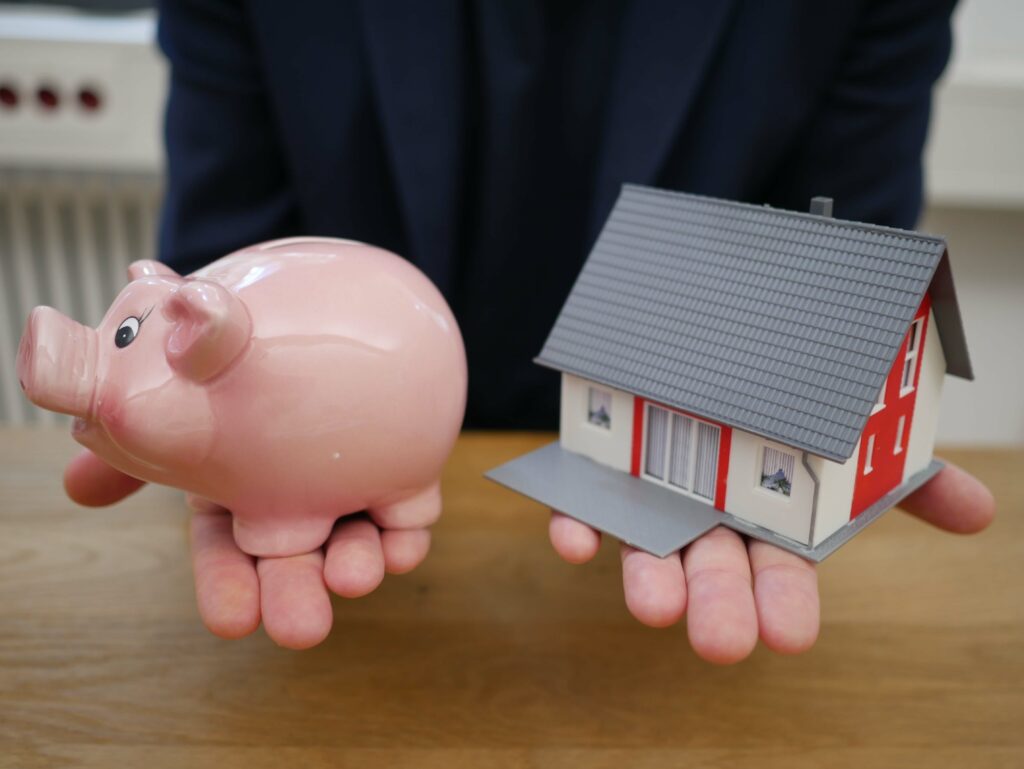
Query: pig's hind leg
point(404, 524)
point(417, 510)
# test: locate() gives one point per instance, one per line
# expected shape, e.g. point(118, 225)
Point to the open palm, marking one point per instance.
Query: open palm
point(236, 591)
point(734, 591)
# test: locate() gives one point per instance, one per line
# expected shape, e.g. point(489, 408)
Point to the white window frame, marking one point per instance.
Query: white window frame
point(777, 495)
point(911, 356)
point(602, 393)
point(868, 468)
point(692, 457)
point(901, 426)
point(880, 403)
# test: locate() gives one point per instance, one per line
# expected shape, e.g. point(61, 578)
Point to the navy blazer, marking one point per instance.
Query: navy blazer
point(353, 119)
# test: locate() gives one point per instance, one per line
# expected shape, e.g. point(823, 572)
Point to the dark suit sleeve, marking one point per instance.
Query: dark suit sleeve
point(227, 183)
point(863, 146)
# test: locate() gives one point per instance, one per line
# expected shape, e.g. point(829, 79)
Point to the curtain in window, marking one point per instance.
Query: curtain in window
point(657, 435)
point(707, 460)
point(679, 458)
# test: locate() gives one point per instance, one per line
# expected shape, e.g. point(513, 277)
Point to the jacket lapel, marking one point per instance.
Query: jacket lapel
point(666, 47)
point(414, 54)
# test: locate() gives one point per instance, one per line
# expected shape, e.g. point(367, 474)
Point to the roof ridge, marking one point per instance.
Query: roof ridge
point(832, 229)
point(806, 215)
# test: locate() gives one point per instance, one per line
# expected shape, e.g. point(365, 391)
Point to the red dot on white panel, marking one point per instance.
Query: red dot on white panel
point(47, 97)
point(89, 99)
point(9, 96)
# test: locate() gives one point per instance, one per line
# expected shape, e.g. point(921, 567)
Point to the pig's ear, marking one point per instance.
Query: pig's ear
point(211, 327)
point(144, 267)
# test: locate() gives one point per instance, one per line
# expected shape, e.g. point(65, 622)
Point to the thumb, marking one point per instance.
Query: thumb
point(90, 481)
point(953, 500)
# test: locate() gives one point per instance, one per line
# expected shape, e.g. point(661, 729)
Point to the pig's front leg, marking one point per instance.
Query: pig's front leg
point(274, 534)
point(90, 481)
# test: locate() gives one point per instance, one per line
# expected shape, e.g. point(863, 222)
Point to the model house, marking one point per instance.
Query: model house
point(776, 372)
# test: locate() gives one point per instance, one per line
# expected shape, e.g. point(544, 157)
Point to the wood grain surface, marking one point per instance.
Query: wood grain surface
point(494, 652)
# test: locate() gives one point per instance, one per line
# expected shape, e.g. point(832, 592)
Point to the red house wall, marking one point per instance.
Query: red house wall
point(887, 465)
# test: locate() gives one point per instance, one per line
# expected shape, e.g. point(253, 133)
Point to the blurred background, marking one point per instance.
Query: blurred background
point(81, 98)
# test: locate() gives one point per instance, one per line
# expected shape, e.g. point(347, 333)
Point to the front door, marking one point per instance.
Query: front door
point(681, 452)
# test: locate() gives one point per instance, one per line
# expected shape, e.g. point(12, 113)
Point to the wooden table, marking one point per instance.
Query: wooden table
point(494, 652)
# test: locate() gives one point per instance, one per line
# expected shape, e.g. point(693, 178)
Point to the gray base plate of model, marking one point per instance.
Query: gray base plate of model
point(652, 517)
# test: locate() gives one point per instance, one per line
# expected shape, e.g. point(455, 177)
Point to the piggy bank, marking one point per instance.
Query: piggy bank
point(292, 383)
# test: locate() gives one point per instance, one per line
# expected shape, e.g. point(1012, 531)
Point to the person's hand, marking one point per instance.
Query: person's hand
point(734, 591)
point(235, 591)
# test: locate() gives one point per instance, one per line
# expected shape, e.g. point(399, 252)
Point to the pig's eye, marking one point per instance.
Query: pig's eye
point(126, 331)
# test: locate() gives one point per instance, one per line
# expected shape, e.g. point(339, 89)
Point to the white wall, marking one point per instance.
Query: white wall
point(611, 447)
point(924, 422)
point(835, 493)
point(986, 250)
point(974, 153)
point(975, 182)
point(789, 516)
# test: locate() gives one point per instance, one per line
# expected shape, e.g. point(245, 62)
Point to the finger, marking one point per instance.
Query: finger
point(90, 481)
point(227, 590)
point(198, 504)
point(574, 541)
point(953, 500)
point(655, 588)
point(721, 618)
point(404, 549)
point(786, 599)
point(294, 600)
point(354, 565)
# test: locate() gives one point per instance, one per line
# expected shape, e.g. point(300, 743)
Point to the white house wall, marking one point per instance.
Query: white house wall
point(925, 420)
point(789, 516)
point(612, 446)
point(835, 493)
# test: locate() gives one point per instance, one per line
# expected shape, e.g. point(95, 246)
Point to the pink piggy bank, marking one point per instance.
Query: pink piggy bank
point(292, 383)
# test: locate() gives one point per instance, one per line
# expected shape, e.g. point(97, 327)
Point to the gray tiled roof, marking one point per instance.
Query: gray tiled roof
point(782, 324)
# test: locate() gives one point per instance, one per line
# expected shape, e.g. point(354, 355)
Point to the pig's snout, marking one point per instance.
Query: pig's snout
point(57, 362)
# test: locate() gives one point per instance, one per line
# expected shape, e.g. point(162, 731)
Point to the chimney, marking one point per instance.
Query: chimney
point(821, 206)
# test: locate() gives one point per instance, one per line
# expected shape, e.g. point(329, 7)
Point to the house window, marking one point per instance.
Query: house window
point(880, 403)
point(910, 360)
point(870, 453)
point(898, 446)
point(599, 408)
point(681, 451)
point(777, 471)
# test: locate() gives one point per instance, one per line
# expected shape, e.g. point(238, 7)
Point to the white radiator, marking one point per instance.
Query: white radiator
point(65, 241)
point(80, 105)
